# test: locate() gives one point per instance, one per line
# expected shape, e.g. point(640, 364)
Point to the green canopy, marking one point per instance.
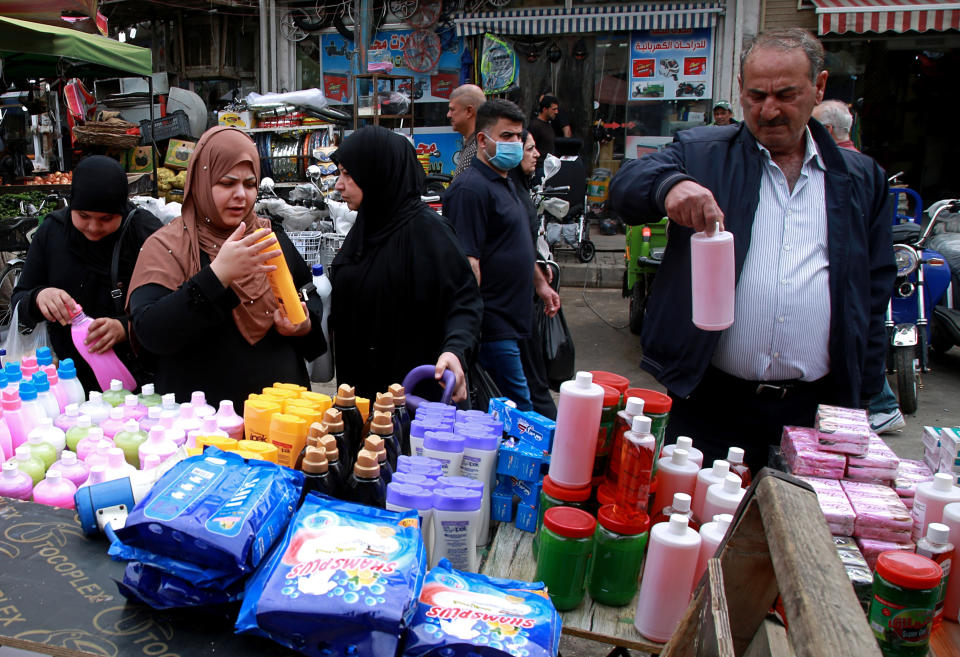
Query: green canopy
point(30, 49)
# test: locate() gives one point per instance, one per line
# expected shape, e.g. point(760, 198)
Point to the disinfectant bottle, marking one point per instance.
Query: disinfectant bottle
point(105, 366)
point(94, 442)
point(723, 498)
point(116, 393)
point(578, 416)
point(57, 389)
point(95, 408)
point(711, 534)
point(674, 475)
point(67, 372)
point(133, 409)
point(621, 425)
point(229, 421)
point(149, 396)
point(46, 398)
point(712, 279)
point(322, 367)
point(49, 434)
point(928, 502)
point(15, 483)
point(55, 490)
point(706, 478)
point(71, 468)
point(129, 439)
point(667, 578)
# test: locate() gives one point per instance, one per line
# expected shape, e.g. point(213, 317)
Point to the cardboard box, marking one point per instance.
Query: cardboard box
point(534, 428)
point(236, 119)
point(501, 503)
point(519, 459)
point(527, 517)
point(178, 153)
point(140, 159)
point(527, 491)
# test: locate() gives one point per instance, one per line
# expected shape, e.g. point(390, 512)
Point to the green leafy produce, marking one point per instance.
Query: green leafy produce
point(10, 203)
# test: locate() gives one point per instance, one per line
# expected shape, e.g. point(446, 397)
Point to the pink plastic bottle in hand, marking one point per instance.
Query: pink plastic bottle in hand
point(72, 468)
point(133, 409)
point(105, 366)
point(229, 421)
point(713, 279)
point(14, 483)
point(55, 490)
point(201, 408)
point(57, 389)
point(157, 443)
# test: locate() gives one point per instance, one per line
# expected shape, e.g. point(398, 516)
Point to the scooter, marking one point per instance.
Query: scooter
point(945, 332)
point(645, 247)
point(922, 280)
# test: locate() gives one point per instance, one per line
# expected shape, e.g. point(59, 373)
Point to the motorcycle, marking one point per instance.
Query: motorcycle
point(688, 89)
point(945, 332)
point(556, 227)
point(644, 251)
point(922, 281)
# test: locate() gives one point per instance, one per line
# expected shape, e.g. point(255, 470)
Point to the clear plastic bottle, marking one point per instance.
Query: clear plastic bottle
point(675, 475)
point(364, 486)
point(712, 278)
point(322, 367)
point(188, 420)
point(93, 443)
point(46, 398)
point(706, 478)
point(152, 418)
point(636, 468)
point(71, 468)
point(6, 440)
point(578, 415)
point(116, 393)
point(149, 396)
point(168, 402)
point(936, 545)
point(684, 442)
point(18, 422)
point(31, 408)
point(623, 423)
point(67, 372)
point(117, 466)
point(14, 483)
point(106, 366)
point(78, 432)
point(951, 518)
point(735, 457)
point(114, 422)
point(55, 490)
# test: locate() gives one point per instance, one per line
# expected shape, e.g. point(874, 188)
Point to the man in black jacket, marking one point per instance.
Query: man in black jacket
point(814, 262)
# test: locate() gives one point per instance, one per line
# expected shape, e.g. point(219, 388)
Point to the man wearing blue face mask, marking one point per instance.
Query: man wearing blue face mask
point(484, 207)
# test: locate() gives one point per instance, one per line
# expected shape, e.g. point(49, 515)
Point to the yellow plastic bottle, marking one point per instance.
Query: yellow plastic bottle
point(261, 450)
point(318, 399)
point(256, 418)
point(296, 387)
point(281, 282)
point(309, 413)
point(289, 434)
point(280, 393)
point(220, 442)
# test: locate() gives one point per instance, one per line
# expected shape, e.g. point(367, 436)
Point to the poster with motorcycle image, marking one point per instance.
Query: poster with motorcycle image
point(440, 66)
point(671, 65)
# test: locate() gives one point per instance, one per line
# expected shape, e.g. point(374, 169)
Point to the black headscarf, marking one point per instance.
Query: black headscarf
point(385, 167)
point(99, 185)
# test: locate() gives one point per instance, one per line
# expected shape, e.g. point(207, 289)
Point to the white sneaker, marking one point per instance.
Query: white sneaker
point(887, 422)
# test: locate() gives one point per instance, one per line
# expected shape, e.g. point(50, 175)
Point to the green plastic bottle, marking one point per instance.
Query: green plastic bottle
point(78, 432)
point(116, 394)
point(42, 450)
point(129, 439)
point(27, 462)
point(148, 396)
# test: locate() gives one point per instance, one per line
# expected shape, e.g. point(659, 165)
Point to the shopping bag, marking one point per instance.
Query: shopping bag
point(23, 340)
point(481, 387)
point(558, 348)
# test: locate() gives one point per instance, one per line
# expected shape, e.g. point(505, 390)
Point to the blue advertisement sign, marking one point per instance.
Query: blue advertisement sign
point(338, 65)
point(443, 148)
point(671, 65)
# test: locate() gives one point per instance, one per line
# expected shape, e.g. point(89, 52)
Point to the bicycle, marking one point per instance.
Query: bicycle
point(16, 233)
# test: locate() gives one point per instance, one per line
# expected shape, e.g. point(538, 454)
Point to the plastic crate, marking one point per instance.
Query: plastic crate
point(308, 244)
point(175, 124)
point(330, 244)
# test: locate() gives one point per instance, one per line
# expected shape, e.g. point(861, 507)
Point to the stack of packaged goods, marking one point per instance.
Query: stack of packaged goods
point(878, 466)
point(801, 450)
point(882, 522)
point(910, 474)
point(858, 570)
point(835, 505)
point(843, 430)
point(941, 450)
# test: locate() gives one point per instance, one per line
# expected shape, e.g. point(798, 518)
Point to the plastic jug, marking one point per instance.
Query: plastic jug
point(578, 415)
point(116, 393)
point(712, 279)
point(114, 423)
point(201, 408)
point(46, 398)
point(55, 490)
point(148, 396)
point(29, 464)
point(68, 418)
point(49, 434)
point(129, 439)
point(67, 372)
point(105, 366)
point(157, 443)
point(15, 483)
point(71, 468)
point(57, 389)
point(78, 432)
point(229, 421)
point(133, 409)
point(97, 409)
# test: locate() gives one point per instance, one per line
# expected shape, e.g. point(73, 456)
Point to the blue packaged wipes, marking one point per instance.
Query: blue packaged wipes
point(161, 590)
point(343, 581)
point(216, 510)
point(463, 614)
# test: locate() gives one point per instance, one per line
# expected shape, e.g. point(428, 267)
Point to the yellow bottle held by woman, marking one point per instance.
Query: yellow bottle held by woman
point(281, 282)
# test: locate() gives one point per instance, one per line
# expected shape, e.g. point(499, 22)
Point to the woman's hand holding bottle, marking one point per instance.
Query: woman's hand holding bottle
point(55, 305)
point(240, 255)
point(104, 333)
point(285, 327)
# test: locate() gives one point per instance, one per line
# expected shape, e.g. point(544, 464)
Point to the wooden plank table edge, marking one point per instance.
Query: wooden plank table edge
point(42, 648)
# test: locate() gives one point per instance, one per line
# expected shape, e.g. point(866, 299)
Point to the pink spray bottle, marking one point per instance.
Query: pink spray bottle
point(105, 366)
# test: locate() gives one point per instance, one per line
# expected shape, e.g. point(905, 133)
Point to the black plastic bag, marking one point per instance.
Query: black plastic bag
point(558, 349)
point(481, 387)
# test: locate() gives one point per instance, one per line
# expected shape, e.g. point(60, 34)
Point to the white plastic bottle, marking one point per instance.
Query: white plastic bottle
point(95, 408)
point(456, 518)
point(684, 442)
point(322, 368)
point(936, 545)
point(667, 579)
point(406, 497)
point(480, 463)
point(445, 447)
point(706, 478)
point(67, 372)
point(676, 474)
point(229, 421)
point(951, 604)
point(157, 443)
point(49, 434)
point(32, 409)
point(578, 417)
point(711, 534)
point(46, 398)
point(929, 500)
point(723, 498)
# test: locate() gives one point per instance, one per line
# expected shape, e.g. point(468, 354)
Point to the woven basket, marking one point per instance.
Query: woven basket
point(112, 132)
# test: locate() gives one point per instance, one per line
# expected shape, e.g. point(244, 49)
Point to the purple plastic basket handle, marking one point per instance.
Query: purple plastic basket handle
point(424, 373)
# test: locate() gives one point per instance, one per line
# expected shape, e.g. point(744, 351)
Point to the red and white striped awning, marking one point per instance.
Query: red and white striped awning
point(861, 16)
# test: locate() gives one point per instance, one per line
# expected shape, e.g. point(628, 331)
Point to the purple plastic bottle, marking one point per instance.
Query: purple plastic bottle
point(55, 490)
point(201, 408)
point(72, 468)
point(105, 366)
point(14, 483)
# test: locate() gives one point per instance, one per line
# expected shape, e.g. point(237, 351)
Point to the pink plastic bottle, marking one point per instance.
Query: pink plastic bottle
point(117, 466)
point(28, 367)
point(208, 427)
point(157, 443)
point(14, 483)
point(724, 497)
point(706, 478)
point(58, 391)
point(94, 442)
point(114, 423)
point(188, 420)
point(201, 408)
point(6, 440)
point(152, 418)
point(712, 279)
point(667, 579)
point(951, 603)
point(229, 421)
point(578, 415)
point(711, 534)
point(72, 468)
point(18, 424)
point(684, 442)
point(677, 474)
point(98, 474)
point(105, 366)
point(68, 419)
point(178, 436)
point(55, 491)
point(133, 409)
point(929, 500)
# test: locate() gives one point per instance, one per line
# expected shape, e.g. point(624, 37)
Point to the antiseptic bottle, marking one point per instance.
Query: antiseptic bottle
point(712, 279)
point(578, 415)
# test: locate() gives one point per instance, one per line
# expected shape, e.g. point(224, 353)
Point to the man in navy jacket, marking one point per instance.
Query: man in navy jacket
point(813, 253)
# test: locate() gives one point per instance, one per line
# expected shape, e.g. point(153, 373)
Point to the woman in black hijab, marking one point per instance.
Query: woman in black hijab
point(70, 261)
point(403, 292)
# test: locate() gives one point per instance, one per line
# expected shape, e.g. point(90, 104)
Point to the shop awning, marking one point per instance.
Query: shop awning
point(30, 49)
point(860, 16)
point(540, 21)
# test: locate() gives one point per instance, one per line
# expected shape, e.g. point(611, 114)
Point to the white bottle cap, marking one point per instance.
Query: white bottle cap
point(938, 533)
point(735, 455)
point(169, 400)
point(72, 410)
point(131, 400)
point(116, 413)
point(641, 424)
point(147, 389)
point(131, 425)
point(226, 403)
point(942, 481)
point(186, 409)
point(53, 476)
point(67, 457)
point(96, 397)
point(116, 384)
point(84, 421)
point(723, 521)
point(679, 456)
point(45, 422)
point(583, 380)
point(150, 461)
point(634, 406)
point(731, 483)
point(154, 412)
point(684, 442)
point(721, 469)
point(681, 502)
point(10, 468)
point(678, 524)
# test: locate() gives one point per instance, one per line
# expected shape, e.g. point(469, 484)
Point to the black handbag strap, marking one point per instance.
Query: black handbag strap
point(116, 292)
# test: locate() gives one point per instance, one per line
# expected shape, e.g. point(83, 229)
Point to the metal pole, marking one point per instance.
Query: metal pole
point(264, 72)
point(153, 140)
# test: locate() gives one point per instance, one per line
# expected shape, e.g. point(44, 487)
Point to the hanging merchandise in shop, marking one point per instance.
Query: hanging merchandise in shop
point(498, 65)
point(675, 65)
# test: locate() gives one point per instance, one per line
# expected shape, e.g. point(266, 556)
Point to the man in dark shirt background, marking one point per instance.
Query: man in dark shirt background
point(541, 129)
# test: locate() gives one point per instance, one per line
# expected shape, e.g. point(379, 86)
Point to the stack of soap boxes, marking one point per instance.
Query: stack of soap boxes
point(941, 450)
point(521, 462)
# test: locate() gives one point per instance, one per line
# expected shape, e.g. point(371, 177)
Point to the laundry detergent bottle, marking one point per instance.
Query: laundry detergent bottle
point(105, 366)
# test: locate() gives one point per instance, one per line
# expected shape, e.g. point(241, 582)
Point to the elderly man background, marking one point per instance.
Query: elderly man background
point(813, 259)
point(464, 102)
point(837, 119)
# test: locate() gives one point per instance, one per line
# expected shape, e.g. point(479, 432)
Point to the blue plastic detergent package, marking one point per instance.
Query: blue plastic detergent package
point(161, 590)
point(344, 580)
point(464, 614)
point(217, 510)
point(201, 576)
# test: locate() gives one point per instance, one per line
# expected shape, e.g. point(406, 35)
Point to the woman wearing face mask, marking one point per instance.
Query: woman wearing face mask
point(70, 262)
point(200, 298)
point(403, 293)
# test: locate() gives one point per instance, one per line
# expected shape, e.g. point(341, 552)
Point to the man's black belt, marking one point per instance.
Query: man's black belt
point(772, 390)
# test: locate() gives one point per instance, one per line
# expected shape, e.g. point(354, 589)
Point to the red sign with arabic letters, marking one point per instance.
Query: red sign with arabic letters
point(694, 65)
point(335, 87)
point(442, 84)
point(643, 68)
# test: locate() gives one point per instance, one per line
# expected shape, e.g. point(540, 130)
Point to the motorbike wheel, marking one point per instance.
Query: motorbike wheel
point(940, 342)
point(906, 379)
point(638, 298)
point(586, 251)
